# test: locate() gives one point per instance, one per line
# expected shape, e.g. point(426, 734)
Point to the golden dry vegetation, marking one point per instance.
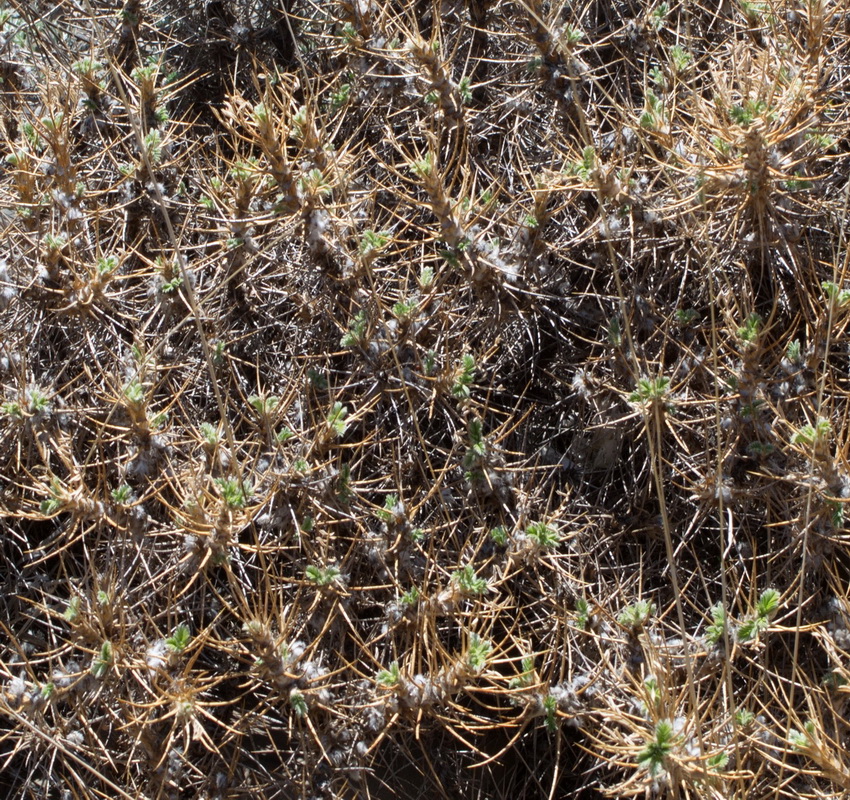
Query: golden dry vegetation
point(424, 399)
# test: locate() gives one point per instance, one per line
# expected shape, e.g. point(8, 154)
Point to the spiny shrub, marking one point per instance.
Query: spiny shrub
point(424, 399)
